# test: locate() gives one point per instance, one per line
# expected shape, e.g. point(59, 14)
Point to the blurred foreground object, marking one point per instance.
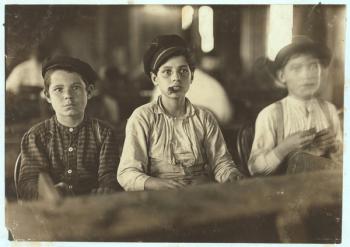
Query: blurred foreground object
point(303, 208)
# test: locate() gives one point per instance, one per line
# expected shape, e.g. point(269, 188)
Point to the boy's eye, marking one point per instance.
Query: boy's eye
point(166, 72)
point(313, 65)
point(76, 87)
point(295, 68)
point(58, 90)
point(184, 71)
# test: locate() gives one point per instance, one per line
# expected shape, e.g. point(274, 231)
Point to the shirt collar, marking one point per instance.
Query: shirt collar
point(306, 105)
point(71, 129)
point(159, 109)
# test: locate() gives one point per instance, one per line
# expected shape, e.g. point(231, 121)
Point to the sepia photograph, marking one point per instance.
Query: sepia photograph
point(192, 123)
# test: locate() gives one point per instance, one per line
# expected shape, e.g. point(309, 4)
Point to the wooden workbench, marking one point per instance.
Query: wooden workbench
point(294, 208)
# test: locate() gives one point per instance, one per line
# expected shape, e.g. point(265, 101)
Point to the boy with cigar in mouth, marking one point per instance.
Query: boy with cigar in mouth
point(171, 143)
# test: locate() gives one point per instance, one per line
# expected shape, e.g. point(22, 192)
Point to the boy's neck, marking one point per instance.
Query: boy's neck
point(305, 100)
point(70, 121)
point(174, 107)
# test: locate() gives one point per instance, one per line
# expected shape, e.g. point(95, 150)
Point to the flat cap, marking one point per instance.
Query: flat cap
point(162, 48)
point(302, 44)
point(71, 64)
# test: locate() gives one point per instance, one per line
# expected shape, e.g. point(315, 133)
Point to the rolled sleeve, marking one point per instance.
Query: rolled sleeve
point(216, 150)
point(263, 158)
point(134, 159)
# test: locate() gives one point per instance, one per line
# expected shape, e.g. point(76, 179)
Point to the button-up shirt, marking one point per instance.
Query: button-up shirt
point(297, 116)
point(83, 157)
point(189, 147)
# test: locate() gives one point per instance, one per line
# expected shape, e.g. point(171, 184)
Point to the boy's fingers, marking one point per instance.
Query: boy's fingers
point(307, 133)
point(178, 184)
point(322, 132)
point(182, 182)
point(306, 141)
point(327, 143)
point(326, 137)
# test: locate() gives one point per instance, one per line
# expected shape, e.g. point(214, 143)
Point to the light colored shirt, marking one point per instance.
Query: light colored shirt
point(158, 145)
point(297, 116)
point(206, 91)
point(27, 73)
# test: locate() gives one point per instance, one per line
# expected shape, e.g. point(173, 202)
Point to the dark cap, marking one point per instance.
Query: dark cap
point(71, 64)
point(162, 48)
point(302, 44)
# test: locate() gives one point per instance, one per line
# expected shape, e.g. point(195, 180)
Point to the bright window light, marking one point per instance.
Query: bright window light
point(280, 26)
point(187, 17)
point(206, 28)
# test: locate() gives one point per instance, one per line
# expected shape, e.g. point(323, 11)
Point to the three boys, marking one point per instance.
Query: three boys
point(298, 133)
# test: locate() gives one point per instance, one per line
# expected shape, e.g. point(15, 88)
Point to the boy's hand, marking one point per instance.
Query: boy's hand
point(163, 183)
point(326, 140)
point(296, 141)
point(235, 176)
point(62, 188)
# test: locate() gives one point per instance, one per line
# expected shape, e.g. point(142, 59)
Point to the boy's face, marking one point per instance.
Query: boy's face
point(68, 93)
point(301, 75)
point(173, 77)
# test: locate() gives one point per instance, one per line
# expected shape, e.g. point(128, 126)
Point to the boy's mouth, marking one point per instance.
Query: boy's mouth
point(174, 89)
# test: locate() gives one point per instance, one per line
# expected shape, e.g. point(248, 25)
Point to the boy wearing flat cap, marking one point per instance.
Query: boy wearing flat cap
point(79, 153)
point(171, 143)
point(300, 132)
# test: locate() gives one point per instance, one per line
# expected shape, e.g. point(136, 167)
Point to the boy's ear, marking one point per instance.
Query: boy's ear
point(280, 77)
point(90, 90)
point(154, 79)
point(47, 96)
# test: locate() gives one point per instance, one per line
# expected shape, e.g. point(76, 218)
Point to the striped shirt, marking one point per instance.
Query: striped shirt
point(84, 157)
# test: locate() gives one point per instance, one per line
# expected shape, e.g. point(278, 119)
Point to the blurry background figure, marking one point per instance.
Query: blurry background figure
point(211, 64)
point(206, 91)
point(120, 59)
point(117, 86)
point(24, 86)
point(28, 73)
point(103, 105)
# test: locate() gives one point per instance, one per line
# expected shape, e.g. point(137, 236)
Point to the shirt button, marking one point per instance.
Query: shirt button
point(70, 149)
point(71, 129)
point(69, 171)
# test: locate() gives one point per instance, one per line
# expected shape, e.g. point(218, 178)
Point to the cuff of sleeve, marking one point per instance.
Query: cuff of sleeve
point(226, 176)
point(140, 182)
point(272, 159)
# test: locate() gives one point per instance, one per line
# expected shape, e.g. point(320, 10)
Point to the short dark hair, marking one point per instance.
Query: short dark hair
point(47, 78)
point(69, 64)
point(164, 47)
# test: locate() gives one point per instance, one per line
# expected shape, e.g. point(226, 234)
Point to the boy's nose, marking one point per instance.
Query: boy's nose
point(67, 94)
point(307, 72)
point(175, 76)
